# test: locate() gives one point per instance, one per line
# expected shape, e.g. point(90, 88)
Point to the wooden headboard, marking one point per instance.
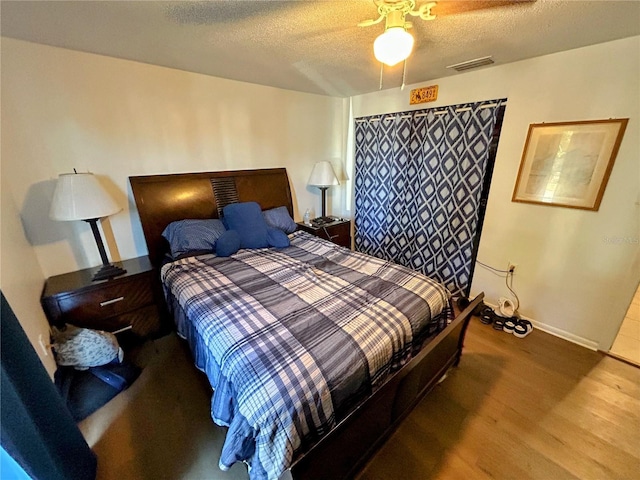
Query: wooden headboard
point(162, 199)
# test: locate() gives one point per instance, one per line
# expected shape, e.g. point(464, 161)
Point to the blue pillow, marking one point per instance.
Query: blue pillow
point(279, 218)
point(193, 235)
point(228, 244)
point(277, 238)
point(246, 219)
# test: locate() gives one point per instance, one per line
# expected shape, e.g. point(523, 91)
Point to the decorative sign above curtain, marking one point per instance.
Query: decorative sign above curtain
point(419, 177)
point(423, 95)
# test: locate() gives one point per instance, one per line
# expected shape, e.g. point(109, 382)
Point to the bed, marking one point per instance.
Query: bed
point(315, 353)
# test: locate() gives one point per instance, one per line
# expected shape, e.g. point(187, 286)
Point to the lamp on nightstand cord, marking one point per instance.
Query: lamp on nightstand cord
point(79, 196)
point(323, 176)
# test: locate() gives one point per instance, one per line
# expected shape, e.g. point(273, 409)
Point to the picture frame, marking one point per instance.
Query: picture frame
point(568, 164)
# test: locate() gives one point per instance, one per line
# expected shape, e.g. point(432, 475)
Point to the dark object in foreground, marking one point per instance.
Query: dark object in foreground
point(85, 391)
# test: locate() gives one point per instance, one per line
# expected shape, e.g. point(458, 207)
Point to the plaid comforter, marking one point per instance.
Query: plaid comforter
point(292, 339)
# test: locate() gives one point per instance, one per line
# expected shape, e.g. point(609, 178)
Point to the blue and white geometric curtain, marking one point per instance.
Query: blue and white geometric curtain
point(418, 180)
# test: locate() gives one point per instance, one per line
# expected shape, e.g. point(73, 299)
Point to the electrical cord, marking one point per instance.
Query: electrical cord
point(491, 268)
point(508, 278)
point(510, 287)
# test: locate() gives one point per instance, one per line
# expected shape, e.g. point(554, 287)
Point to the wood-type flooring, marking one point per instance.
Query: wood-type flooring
point(533, 408)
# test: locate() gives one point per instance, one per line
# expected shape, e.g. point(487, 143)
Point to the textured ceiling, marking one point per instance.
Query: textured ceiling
point(311, 46)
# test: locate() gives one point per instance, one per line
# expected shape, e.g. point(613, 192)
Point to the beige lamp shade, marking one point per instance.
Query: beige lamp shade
point(79, 196)
point(323, 175)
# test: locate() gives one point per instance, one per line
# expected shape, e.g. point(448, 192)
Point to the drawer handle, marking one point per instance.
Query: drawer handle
point(129, 327)
point(329, 236)
point(109, 302)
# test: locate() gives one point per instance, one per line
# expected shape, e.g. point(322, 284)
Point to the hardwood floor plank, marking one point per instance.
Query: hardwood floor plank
point(536, 408)
point(520, 401)
point(625, 380)
point(557, 446)
point(590, 445)
point(533, 408)
point(453, 466)
point(593, 406)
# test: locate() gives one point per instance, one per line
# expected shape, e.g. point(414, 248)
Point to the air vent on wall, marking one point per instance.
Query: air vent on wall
point(469, 64)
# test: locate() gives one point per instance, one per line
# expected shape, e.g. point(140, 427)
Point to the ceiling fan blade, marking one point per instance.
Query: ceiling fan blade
point(454, 7)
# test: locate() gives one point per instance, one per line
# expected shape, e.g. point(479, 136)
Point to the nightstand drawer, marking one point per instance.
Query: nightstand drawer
point(143, 322)
point(133, 299)
point(105, 302)
point(338, 232)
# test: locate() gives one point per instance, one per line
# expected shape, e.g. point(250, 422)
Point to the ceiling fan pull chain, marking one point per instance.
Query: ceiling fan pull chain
point(381, 72)
point(404, 73)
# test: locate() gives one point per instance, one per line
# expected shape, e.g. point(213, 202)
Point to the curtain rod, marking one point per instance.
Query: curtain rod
point(424, 114)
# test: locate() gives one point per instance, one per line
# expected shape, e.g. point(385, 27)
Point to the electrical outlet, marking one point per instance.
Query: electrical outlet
point(44, 347)
point(512, 267)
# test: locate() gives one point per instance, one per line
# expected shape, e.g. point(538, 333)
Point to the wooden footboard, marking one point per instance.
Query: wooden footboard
point(346, 449)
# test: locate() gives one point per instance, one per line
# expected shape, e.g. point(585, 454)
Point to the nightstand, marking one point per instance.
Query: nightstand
point(338, 232)
point(133, 299)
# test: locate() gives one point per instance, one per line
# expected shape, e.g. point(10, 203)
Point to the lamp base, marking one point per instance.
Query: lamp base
point(108, 271)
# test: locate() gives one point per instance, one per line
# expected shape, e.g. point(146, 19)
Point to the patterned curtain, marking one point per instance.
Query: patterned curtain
point(418, 180)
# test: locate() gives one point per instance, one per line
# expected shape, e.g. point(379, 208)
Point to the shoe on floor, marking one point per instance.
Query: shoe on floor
point(510, 324)
point(522, 329)
point(487, 315)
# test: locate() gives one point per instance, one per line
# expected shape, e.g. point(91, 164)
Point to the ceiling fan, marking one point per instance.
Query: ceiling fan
point(395, 44)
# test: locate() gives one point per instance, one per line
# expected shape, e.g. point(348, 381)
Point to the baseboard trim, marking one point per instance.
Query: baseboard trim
point(558, 332)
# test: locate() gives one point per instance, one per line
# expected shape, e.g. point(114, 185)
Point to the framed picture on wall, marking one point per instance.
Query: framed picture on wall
point(568, 164)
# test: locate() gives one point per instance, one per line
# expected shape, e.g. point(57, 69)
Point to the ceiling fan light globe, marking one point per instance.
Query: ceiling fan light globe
point(393, 46)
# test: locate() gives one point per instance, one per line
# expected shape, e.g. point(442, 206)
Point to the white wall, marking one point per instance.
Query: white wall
point(21, 278)
point(63, 109)
point(577, 269)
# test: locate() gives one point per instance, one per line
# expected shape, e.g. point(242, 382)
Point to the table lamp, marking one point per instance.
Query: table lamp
point(323, 176)
point(79, 196)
